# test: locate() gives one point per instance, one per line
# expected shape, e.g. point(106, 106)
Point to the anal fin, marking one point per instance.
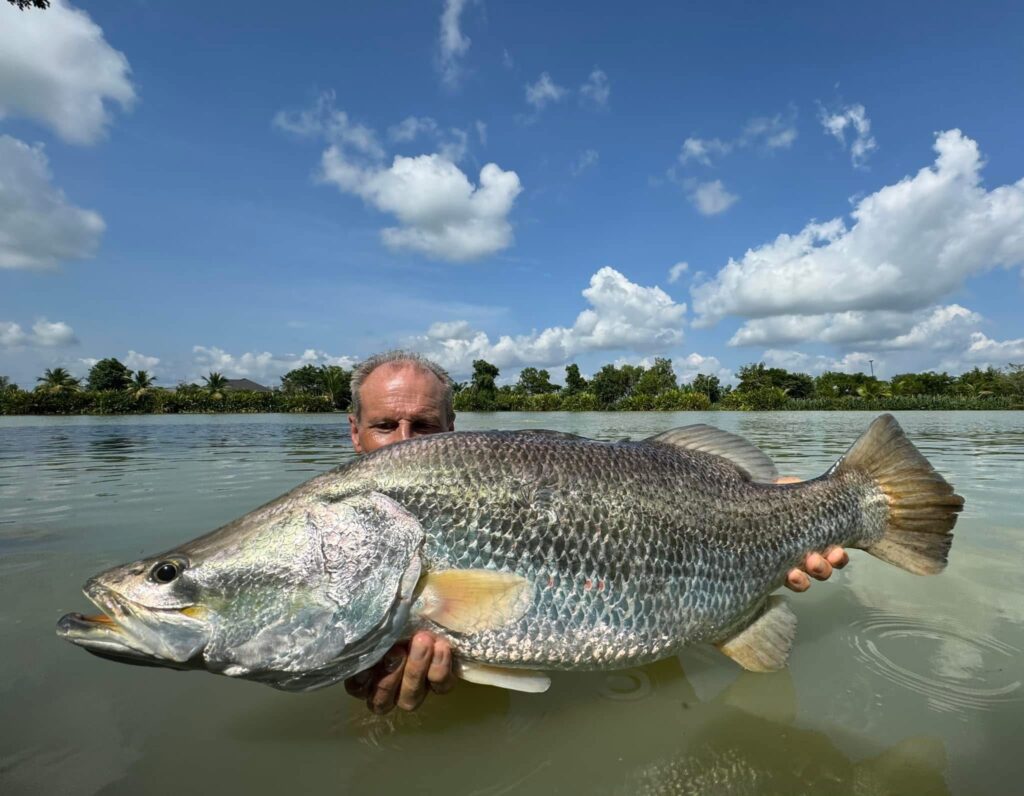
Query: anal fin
point(764, 644)
point(526, 680)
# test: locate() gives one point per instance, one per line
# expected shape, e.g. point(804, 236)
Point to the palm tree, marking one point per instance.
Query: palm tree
point(7, 384)
point(56, 380)
point(215, 384)
point(336, 381)
point(141, 382)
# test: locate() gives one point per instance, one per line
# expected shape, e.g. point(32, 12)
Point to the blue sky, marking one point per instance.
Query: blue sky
point(249, 187)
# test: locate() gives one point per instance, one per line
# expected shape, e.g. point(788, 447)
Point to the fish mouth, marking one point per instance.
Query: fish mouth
point(124, 631)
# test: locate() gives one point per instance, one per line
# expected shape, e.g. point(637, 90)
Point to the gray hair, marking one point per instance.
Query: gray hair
point(397, 358)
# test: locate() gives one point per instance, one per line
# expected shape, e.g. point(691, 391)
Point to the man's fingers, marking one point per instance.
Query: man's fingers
point(414, 679)
point(359, 685)
point(837, 557)
point(817, 567)
point(797, 580)
point(382, 700)
point(440, 674)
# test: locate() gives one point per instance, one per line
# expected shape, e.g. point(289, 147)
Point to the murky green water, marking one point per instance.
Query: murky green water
point(897, 684)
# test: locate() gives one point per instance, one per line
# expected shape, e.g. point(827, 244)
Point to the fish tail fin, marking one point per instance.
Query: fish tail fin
point(922, 505)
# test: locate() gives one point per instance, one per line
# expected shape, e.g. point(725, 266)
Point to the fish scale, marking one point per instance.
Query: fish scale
point(677, 539)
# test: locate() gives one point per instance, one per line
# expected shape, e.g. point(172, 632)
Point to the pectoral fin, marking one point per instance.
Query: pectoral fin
point(471, 600)
point(764, 644)
point(525, 680)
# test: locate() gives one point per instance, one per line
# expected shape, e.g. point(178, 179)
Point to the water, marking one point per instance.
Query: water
point(897, 683)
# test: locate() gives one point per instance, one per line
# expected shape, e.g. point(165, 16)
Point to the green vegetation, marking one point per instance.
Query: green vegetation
point(759, 388)
point(111, 388)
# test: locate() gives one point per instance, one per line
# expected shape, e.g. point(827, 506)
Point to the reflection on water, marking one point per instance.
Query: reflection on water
point(898, 684)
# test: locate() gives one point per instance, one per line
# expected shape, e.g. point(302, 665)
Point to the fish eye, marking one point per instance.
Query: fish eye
point(166, 571)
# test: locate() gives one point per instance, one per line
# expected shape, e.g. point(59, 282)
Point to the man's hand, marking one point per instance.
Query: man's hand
point(816, 565)
point(405, 674)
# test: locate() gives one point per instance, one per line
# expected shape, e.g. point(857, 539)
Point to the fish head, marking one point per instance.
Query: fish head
point(298, 594)
point(152, 612)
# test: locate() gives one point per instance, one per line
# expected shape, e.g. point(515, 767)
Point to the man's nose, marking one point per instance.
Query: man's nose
point(404, 430)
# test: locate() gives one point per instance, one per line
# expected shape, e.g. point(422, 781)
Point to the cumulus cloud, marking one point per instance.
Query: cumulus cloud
point(688, 367)
point(440, 212)
point(936, 327)
point(853, 362)
point(622, 316)
point(711, 198)
point(998, 352)
point(585, 161)
point(44, 334)
point(452, 43)
point(596, 90)
point(676, 272)
point(855, 119)
point(136, 361)
point(910, 244)
point(259, 365)
point(56, 68)
point(39, 228)
point(544, 91)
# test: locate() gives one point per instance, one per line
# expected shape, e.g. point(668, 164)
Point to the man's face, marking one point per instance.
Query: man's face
point(398, 402)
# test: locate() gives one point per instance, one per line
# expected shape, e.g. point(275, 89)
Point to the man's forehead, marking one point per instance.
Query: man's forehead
point(401, 386)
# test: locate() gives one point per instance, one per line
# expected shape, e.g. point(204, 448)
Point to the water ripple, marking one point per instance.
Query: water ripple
point(965, 667)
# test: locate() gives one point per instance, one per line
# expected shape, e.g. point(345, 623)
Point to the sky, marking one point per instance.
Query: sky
point(250, 187)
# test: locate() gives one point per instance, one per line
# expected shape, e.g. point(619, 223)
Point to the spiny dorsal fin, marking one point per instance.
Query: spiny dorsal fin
point(472, 600)
point(744, 454)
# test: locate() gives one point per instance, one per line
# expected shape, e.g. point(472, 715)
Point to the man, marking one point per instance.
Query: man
point(399, 395)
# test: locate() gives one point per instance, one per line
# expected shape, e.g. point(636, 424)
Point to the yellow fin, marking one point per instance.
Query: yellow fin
point(471, 600)
point(764, 644)
point(525, 680)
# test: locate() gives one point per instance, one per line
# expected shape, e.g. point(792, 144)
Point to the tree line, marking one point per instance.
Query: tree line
point(113, 388)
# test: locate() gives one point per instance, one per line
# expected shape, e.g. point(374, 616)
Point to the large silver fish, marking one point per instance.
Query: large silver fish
point(528, 551)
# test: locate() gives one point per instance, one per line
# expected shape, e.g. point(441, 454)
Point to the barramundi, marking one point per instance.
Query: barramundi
point(529, 551)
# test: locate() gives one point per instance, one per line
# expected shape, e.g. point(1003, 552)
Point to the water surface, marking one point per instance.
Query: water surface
point(897, 683)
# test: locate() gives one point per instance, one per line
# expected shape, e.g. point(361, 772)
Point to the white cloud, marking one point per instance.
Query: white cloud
point(712, 198)
point(910, 244)
point(137, 361)
point(44, 334)
point(770, 132)
point(997, 352)
point(56, 68)
point(38, 227)
point(259, 365)
point(325, 120)
point(854, 118)
point(676, 272)
point(12, 335)
point(451, 144)
point(450, 330)
point(937, 327)
point(441, 214)
point(853, 362)
point(57, 333)
point(586, 160)
point(452, 43)
point(544, 91)
point(701, 150)
point(688, 367)
point(622, 316)
point(597, 89)
point(481, 132)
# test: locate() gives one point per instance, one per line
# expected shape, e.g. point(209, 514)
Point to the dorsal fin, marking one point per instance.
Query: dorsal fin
point(751, 460)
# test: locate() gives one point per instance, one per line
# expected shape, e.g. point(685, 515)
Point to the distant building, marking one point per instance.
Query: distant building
point(245, 384)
